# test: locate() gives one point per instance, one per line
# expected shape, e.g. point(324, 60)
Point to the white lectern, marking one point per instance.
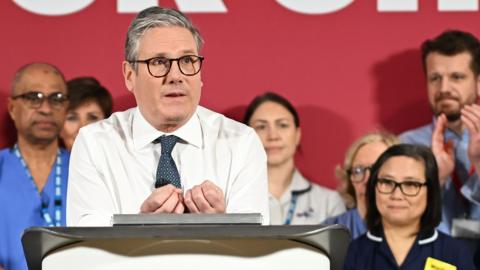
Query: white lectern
point(190, 247)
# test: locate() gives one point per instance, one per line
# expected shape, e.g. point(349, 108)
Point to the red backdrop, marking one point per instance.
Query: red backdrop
point(347, 72)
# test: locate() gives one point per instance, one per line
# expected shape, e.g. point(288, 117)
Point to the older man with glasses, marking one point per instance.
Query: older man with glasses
point(168, 154)
point(34, 172)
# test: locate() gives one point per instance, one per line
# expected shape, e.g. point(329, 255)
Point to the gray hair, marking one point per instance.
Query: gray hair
point(156, 17)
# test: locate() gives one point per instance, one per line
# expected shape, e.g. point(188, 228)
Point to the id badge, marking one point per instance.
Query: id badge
point(434, 264)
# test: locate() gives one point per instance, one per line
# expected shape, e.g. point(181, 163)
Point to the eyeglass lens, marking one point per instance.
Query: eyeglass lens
point(35, 99)
point(408, 188)
point(357, 173)
point(160, 66)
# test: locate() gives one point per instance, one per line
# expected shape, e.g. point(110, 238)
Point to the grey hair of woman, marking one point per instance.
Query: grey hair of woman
point(156, 17)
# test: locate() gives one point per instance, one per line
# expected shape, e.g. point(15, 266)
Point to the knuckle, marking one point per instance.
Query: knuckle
point(197, 196)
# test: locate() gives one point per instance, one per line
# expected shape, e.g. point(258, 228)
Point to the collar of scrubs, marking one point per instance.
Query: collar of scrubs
point(298, 186)
point(420, 240)
point(144, 133)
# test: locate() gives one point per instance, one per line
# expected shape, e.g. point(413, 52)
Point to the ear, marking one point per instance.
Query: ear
point(128, 75)
point(478, 86)
point(298, 135)
point(10, 108)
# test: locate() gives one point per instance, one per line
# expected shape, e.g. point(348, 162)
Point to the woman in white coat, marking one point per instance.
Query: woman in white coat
point(293, 199)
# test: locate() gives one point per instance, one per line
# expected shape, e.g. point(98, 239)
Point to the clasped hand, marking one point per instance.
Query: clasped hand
point(204, 198)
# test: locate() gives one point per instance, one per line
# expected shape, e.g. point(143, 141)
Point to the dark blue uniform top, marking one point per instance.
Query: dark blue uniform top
point(371, 252)
point(476, 257)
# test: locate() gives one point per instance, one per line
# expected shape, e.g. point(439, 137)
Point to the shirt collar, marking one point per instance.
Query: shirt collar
point(425, 240)
point(144, 133)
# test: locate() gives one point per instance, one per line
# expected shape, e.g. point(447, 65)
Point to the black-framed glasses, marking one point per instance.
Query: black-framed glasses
point(34, 99)
point(158, 67)
point(357, 173)
point(408, 188)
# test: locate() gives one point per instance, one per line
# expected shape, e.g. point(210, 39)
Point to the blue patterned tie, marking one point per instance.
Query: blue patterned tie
point(167, 172)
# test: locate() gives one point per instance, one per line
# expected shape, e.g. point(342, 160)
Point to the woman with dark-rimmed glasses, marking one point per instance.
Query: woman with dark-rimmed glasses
point(403, 211)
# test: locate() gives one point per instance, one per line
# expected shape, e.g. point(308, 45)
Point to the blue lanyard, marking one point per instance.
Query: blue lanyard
point(58, 189)
point(293, 203)
point(291, 210)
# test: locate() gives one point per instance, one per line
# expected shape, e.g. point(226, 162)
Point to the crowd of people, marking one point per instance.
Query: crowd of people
point(75, 163)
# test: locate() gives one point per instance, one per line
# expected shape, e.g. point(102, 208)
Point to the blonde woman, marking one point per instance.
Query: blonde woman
point(354, 174)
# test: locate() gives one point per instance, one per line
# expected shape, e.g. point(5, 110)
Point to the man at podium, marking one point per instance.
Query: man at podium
point(168, 154)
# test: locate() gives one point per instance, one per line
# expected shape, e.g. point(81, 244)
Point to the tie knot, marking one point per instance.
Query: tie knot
point(167, 143)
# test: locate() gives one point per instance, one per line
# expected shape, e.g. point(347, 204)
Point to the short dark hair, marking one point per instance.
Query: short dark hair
point(432, 215)
point(453, 42)
point(272, 97)
point(87, 89)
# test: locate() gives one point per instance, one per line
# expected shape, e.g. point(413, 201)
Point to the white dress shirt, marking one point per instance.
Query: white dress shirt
point(114, 162)
point(313, 205)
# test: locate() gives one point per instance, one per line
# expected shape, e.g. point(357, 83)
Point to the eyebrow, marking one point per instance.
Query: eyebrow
point(389, 177)
point(184, 52)
point(284, 119)
point(259, 120)
point(276, 120)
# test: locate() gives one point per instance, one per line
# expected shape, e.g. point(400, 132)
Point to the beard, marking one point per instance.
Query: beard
point(453, 112)
point(453, 116)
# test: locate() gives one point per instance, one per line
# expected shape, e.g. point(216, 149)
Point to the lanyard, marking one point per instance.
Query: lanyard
point(58, 189)
point(293, 203)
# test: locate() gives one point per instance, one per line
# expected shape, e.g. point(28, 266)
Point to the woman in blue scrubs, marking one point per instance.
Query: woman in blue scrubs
point(354, 174)
point(403, 210)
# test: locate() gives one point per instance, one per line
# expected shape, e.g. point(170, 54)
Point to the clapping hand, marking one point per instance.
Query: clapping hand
point(471, 119)
point(443, 151)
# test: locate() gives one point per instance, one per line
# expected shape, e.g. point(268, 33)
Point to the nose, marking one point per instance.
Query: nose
point(445, 84)
point(174, 74)
point(83, 122)
point(366, 175)
point(272, 134)
point(45, 107)
point(396, 193)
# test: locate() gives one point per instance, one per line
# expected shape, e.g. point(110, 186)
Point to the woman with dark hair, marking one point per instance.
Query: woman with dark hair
point(292, 198)
point(89, 102)
point(403, 211)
